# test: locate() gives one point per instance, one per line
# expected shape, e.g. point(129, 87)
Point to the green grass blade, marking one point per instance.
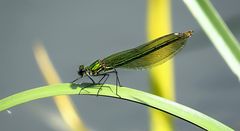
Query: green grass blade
point(144, 98)
point(217, 31)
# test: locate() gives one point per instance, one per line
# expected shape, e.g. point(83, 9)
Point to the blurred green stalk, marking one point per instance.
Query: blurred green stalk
point(217, 31)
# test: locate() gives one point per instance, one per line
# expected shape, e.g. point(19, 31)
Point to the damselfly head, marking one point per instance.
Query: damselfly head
point(81, 70)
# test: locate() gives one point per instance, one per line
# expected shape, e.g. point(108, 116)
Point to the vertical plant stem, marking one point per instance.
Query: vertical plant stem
point(159, 23)
point(217, 31)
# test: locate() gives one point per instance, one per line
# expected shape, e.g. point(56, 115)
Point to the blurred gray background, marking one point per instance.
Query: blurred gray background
point(79, 32)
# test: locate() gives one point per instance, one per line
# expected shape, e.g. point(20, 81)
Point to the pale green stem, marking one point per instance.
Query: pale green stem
point(129, 94)
point(217, 31)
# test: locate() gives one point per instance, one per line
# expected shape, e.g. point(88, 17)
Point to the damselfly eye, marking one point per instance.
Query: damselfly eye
point(81, 70)
point(81, 67)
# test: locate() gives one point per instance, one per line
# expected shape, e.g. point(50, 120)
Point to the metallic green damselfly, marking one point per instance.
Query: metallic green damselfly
point(149, 54)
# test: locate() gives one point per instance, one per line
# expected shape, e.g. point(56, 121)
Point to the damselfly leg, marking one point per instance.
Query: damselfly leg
point(106, 74)
point(104, 78)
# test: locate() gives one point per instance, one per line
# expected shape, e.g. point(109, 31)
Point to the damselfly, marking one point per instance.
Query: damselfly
point(149, 54)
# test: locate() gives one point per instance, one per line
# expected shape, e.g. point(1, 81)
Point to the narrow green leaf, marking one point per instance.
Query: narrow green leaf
point(129, 94)
point(217, 31)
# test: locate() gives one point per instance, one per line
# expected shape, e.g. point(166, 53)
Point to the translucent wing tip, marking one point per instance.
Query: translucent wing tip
point(188, 34)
